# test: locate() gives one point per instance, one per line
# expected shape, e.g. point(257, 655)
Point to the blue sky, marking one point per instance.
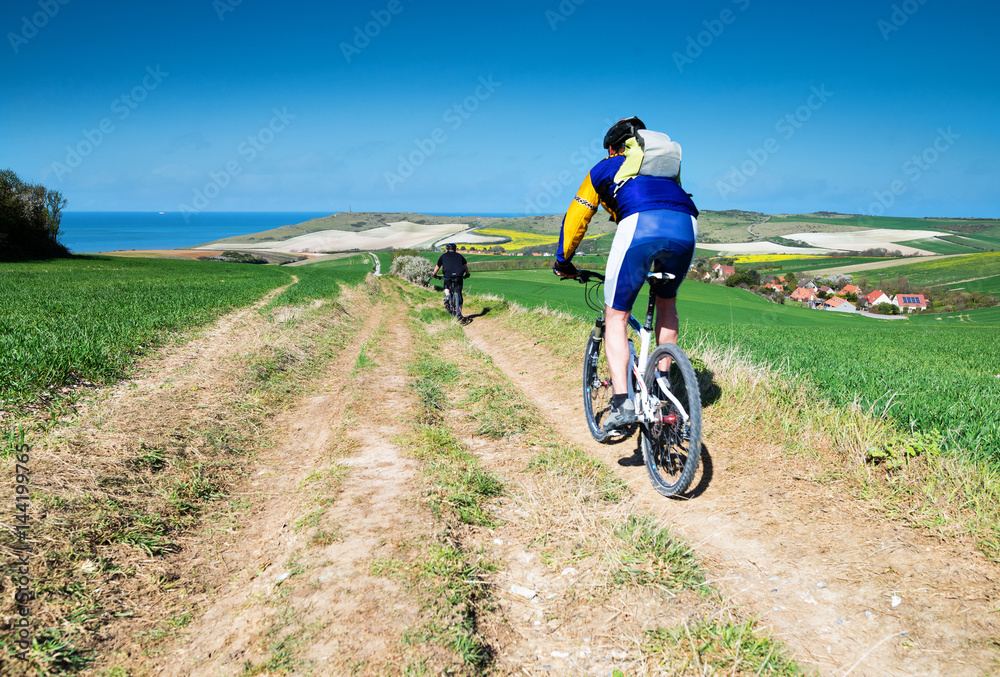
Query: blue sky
point(500, 107)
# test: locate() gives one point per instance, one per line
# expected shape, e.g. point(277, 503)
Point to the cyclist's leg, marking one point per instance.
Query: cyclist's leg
point(456, 289)
point(616, 346)
point(624, 276)
point(667, 326)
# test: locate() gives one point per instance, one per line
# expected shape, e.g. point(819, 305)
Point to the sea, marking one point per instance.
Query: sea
point(94, 232)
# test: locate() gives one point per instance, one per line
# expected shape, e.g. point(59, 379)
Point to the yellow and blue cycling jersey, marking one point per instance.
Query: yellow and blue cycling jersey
point(614, 183)
point(657, 226)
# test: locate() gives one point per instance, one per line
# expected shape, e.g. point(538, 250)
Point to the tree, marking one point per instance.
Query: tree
point(743, 278)
point(30, 215)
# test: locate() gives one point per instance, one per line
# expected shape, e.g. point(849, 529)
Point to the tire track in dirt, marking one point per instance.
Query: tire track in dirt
point(305, 596)
point(556, 608)
point(814, 564)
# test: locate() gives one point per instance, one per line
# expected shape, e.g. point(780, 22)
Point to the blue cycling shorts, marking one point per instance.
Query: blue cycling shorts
point(661, 240)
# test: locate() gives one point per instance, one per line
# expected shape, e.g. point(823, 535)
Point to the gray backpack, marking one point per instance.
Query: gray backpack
point(660, 155)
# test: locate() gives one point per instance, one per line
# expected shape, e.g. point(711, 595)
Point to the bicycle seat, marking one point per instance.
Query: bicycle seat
point(663, 277)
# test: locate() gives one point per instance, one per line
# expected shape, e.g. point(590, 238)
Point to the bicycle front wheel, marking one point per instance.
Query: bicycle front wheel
point(671, 440)
point(597, 389)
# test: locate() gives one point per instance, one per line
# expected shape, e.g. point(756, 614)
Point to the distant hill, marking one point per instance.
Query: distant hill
point(362, 221)
point(722, 228)
point(345, 221)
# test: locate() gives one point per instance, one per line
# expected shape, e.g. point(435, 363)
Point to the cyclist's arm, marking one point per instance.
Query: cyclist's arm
point(577, 218)
point(436, 269)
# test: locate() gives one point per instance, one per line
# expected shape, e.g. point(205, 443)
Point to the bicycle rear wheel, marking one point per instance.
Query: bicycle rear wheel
point(671, 442)
point(597, 389)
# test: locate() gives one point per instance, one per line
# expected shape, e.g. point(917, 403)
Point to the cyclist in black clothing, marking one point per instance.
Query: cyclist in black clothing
point(454, 269)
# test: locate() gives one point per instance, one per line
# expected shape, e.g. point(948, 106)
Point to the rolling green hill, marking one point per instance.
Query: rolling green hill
point(975, 272)
point(892, 222)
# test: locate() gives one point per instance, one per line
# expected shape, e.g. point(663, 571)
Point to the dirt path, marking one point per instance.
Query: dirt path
point(312, 571)
point(847, 590)
point(331, 496)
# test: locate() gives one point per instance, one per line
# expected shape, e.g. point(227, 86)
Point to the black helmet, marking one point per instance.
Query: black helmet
point(621, 131)
point(450, 247)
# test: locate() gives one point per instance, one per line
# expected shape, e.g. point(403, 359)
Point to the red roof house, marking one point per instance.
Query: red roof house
point(877, 297)
point(910, 302)
point(803, 294)
point(850, 289)
point(723, 271)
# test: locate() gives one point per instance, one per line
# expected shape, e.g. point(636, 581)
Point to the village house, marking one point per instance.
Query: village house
point(804, 295)
point(838, 305)
point(774, 286)
point(722, 272)
point(910, 302)
point(849, 289)
point(875, 298)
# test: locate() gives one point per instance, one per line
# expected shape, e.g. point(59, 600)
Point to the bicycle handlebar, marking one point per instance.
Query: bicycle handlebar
point(584, 276)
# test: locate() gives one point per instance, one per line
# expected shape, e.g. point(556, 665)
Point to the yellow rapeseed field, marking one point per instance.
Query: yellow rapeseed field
point(767, 258)
point(520, 240)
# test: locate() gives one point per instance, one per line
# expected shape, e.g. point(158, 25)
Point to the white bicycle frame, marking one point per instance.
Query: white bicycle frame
point(645, 404)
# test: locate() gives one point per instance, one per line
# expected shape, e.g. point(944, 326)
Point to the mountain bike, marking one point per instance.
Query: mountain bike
point(452, 299)
point(667, 406)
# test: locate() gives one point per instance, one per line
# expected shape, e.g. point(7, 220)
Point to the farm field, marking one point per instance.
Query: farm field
point(942, 245)
point(893, 222)
point(89, 318)
point(477, 431)
point(983, 240)
point(931, 375)
point(324, 279)
point(975, 272)
point(794, 264)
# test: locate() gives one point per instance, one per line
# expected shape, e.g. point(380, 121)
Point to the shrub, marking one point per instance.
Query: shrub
point(885, 309)
point(415, 269)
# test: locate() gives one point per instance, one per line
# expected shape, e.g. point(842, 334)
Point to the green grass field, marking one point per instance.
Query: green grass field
point(943, 245)
point(91, 317)
point(806, 265)
point(984, 240)
point(892, 222)
point(975, 272)
point(925, 373)
point(323, 279)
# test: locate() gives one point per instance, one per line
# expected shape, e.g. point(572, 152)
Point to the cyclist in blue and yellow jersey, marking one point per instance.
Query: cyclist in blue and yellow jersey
point(639, 185)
